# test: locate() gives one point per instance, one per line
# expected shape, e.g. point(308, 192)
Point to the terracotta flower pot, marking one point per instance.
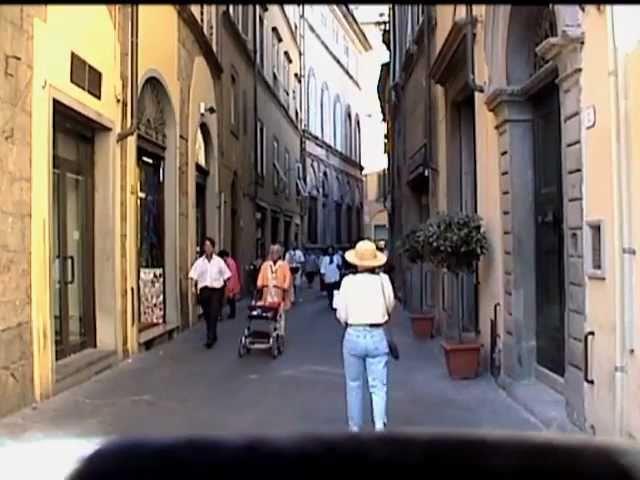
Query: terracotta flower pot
point(422, 324)
point(463, 360)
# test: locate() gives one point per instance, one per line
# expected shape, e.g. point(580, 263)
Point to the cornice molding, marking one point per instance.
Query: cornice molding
point(457, 33)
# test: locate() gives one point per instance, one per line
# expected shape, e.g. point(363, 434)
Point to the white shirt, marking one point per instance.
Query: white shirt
point(211, 274)
point(331, 271)
point(365, 298)
point(295, 257)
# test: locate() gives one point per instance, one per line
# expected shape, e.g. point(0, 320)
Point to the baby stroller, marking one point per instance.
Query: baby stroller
point(269, 337)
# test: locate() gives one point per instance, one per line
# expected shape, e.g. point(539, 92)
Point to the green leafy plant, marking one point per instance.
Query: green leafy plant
point(454, 242)
point(451, 242)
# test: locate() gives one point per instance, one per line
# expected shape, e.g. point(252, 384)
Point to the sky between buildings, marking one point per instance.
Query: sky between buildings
point(372, 127)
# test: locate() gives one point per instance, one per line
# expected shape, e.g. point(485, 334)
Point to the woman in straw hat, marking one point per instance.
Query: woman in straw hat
point(364, 302)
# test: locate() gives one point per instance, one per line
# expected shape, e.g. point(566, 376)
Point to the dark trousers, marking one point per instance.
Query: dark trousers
point(331, 287)
point(211, 302)
point(232, 307)
point(311, 276)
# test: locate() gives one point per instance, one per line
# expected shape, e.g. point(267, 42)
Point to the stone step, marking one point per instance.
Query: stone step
point(81, 367)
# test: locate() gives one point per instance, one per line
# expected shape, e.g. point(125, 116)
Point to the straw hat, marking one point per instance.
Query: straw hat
point(365, 255)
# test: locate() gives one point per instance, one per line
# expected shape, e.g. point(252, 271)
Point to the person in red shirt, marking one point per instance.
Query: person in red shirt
point(232, 290)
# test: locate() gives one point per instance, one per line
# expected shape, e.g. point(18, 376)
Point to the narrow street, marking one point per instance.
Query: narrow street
point(179, 388)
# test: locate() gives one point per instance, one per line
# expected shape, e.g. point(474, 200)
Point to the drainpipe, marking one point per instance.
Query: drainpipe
point(133, 76)
point(471, 77)
point(622, 209)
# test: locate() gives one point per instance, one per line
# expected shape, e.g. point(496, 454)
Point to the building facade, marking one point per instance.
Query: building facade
point(376, 215)
point(278, 165)
point(521, 114)
point(237, 120)
point(112, 125)
point(333, 46)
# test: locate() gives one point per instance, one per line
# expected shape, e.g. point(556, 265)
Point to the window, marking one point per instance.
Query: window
point(294, 100)
point(312, 99)
point(245, 113)
point(348, 133)
point(274, 160)
point(244, 21)
point(275, 58)
point(350, 239)
point(233, 99)
point(312, 219)
point(358, 220)
point(260, 159)
point(287, 175)
point(285, 72)
point(325, 114)
point(260, 40)
point(300, 187)
point(337, 123)
point(338, 222)
point(356, 142)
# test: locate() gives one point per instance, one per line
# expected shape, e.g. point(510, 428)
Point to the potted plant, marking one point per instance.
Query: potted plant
point(412, 247)
point(455, 243)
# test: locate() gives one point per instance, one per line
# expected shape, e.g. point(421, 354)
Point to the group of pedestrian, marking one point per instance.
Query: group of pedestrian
point(363, 306)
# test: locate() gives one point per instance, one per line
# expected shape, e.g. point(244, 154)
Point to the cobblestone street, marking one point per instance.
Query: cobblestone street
point(179, 388)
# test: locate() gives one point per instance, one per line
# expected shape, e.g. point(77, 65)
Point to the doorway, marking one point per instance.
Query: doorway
point(73, 298)
point(151, 236)
point(235, 220)
point(275, 228)
point(201, 208)
point(550, 287)
point(287, 234)
point(462, 198)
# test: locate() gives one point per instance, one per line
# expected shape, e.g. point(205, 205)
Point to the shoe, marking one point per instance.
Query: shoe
point(208, 345)
point(231, 317)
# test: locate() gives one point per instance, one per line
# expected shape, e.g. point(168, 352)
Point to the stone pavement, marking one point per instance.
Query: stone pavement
point(179, 388)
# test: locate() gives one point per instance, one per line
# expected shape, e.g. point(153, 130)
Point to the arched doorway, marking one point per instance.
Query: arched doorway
point(157, 207)
point(534, 58)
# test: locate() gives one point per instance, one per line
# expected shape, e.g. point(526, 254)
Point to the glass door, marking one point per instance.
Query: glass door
point(151, 239)
point(74, 325)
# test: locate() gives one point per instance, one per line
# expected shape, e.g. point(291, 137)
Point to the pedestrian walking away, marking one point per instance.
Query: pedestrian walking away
point(210, 274)
point(274, 280)
point(364, 303)
point(295, 260)
point(311, 267)
point(331, 271)
point(233, 285)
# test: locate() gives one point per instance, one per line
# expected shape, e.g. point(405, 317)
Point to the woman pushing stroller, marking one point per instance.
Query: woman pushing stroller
point(275, 281)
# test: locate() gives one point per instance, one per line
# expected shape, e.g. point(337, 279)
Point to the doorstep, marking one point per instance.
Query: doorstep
point(544, 404)
point(157, 331)
point(81, 367)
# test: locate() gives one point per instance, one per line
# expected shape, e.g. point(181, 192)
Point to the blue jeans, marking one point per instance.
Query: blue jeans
point(365, 349)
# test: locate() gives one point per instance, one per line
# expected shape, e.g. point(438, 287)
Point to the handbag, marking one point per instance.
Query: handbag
point(394, 351)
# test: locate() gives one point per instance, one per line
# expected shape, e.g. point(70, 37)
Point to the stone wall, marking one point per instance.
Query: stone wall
point(16, 358)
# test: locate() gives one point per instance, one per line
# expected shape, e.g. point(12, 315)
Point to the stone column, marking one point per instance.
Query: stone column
point(515, 148)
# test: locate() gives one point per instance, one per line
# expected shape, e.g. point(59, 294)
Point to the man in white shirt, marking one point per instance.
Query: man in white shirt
point(331, 269)
point(210, 274)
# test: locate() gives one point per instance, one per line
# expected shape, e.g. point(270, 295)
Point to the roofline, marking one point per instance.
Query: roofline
point(355, 26)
